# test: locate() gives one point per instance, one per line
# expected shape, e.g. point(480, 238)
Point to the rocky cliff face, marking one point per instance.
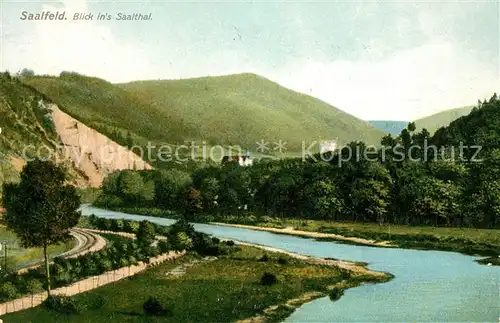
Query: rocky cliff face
point(90, 152)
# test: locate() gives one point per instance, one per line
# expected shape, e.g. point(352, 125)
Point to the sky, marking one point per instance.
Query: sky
point(377, 60)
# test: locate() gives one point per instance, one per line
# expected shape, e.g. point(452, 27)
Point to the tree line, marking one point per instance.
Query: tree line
point(442, 189)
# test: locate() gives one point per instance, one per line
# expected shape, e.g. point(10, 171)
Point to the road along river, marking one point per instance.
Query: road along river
point(430, 286)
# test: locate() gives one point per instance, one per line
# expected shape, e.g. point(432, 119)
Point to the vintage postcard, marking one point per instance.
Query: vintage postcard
point(249, 161)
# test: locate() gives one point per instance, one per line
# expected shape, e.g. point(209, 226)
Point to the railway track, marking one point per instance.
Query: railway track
point(86, 242)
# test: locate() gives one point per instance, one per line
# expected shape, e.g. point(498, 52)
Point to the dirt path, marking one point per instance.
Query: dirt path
point(311, 234)
point(181, 269)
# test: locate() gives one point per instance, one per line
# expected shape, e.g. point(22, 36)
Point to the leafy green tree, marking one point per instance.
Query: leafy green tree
point(41, 208)
point(321, 200)
point(146, 233)
point(209, 191)
point(131, 185)
point(194, 203)
point(181, 241)
point(129, 140)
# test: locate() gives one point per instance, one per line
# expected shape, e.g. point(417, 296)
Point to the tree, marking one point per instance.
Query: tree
point(321, 200)
point(41, 208)
point(131, 186)
point(169, 185)
point(26, 73)
point(129, 140)
point(193, 202)
point(146, 233)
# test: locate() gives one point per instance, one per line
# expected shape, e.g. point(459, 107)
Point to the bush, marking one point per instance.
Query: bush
point(153, 307)
point(268, 279)
point(164, 246)
point(63, 304)
point(8, 290)
point(117, 225)
point(93, 220)
point(180, 241)
point(336, 293)
point(282, 261)
point(146, 233)
point(264, 258)
point(103, 224)
point(131, 226)
point(34, 286)
point(229, 243)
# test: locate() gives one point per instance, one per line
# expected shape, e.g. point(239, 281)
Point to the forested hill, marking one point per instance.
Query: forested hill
point(396, 184)
point(237, 109)
point(480, 127)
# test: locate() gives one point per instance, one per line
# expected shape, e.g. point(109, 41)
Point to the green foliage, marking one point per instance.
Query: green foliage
point(224, 290)
point(33, 286)
point(146, 233)
point(153, 307)
point(408, 181)
point(63, 304)
point(268, 279)
point(336, 293)
point(8, 291)
point(180, 241)
point(41, 208)
point(25, 121)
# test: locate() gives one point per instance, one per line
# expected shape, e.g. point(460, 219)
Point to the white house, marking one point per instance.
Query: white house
point(327, 145)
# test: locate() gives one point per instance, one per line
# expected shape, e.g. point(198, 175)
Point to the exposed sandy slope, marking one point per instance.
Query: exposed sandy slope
point(94, 154)
point(311, 234)
point(17, 163)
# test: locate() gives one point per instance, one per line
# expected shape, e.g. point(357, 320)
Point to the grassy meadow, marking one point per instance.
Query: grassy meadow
point(225, 290)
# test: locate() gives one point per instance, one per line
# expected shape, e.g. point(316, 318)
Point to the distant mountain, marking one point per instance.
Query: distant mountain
point(389, 126)
point(240, 109)
point(441, 119)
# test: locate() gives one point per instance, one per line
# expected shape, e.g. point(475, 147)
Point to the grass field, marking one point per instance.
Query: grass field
point(17, 255)
point(224, 290)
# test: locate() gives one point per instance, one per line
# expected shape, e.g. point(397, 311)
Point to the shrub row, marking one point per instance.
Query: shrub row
point(180, 236)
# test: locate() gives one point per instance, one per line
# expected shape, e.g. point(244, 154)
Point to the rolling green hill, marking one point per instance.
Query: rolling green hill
point(226, 110)
point(441, 119)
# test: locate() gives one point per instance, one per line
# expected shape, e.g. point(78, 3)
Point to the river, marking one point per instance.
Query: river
point(430, 286)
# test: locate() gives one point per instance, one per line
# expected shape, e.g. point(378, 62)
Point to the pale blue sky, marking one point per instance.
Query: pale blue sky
point(376, 60)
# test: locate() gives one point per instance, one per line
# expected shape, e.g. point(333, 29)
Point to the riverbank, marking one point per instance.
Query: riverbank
point(476, 242)
point(226, 289)
point(311, 234)
point(469, 241)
